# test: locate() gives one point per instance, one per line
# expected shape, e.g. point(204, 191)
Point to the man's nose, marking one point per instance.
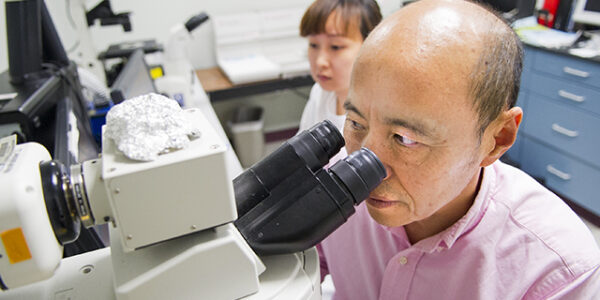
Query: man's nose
point(388, 171)
point(377, 147)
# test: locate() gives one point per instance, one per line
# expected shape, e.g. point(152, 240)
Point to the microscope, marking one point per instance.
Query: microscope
point(180, 228)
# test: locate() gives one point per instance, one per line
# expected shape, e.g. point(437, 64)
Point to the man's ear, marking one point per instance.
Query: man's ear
point(504, 130)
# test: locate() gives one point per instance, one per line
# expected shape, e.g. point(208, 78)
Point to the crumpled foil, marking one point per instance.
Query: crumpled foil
point(148, 125)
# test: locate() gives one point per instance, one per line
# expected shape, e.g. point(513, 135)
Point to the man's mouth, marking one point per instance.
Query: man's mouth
point(378, 203)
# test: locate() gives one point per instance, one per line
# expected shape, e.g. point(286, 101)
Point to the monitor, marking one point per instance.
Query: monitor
point(587, 12)
point(133, 80)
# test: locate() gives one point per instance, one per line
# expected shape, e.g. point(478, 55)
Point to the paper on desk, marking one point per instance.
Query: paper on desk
point(534, 34)
point(250, 67)
point(547, 37)
point(589, 48)
point(584, 52)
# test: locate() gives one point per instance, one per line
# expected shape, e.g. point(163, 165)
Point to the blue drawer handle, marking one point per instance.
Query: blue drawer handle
point(571, 96)
point(575, 72)
point(564, 131)
point(558, 173)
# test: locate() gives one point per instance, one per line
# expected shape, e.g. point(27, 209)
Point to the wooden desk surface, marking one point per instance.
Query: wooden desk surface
point(218, 87)
point(213, 79)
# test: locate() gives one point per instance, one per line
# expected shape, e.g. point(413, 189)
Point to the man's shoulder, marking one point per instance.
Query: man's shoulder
point(537, 220)
point(522, 195)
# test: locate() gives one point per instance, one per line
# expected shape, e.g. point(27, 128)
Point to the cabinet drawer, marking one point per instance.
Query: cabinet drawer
point(564, 128)
point(571, 178)
point(566, 92)
point(570, 68)
point(528, 57)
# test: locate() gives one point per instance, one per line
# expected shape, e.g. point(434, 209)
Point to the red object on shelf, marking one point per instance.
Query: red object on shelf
point(548, 13)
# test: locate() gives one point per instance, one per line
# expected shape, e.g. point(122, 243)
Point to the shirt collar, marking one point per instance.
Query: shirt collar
point(447, 238)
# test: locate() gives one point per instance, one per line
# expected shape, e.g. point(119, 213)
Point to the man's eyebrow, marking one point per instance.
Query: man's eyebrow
point(350, 107)
point(417, 127)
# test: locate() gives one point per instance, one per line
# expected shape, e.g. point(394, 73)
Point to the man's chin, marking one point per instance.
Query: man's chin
point(388, 219)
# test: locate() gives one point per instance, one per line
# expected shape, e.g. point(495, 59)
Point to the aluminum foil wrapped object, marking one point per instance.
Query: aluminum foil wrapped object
point(148, 125)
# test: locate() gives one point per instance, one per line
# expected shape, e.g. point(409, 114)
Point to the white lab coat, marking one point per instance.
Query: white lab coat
point(321, 106)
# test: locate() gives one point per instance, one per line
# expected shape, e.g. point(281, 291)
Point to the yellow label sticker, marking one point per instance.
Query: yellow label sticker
point(156, 72)
point(15, 245)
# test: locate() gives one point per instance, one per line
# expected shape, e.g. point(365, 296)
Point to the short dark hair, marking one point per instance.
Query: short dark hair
point(496, 78)
point(364, 13)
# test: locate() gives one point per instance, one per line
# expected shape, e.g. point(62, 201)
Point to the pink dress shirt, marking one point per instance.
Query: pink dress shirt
point(517, 241)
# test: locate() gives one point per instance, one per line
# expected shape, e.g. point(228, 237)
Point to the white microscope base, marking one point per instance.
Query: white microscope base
point(89, 276)
point(85, 276)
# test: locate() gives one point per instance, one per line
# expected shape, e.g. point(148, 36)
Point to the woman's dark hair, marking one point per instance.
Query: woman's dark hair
point(364, 13)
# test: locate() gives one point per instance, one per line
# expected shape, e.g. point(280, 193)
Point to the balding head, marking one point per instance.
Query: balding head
point(424, 87)
point(458, 41)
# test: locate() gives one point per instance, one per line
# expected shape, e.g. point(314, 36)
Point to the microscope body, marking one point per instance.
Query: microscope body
point(174, 225)
point(180, 192)
point(171, 230)
point(173, 219)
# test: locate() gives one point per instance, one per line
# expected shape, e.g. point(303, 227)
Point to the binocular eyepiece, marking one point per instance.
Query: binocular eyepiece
point(289, 202)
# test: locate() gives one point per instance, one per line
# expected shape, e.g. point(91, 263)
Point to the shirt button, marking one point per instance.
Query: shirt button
point(403, 260)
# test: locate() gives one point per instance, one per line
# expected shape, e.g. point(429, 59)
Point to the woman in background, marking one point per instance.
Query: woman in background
point(335, 30)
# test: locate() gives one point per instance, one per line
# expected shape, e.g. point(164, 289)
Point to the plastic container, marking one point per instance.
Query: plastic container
point(246, 127)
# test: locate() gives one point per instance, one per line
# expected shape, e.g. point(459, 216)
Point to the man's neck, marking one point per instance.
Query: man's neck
point(447, 215)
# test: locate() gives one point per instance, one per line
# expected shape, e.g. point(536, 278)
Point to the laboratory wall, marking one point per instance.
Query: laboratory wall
point(153, 20)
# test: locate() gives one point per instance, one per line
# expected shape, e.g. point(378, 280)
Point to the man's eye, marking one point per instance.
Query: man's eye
point(355, 125)
point(404, 140)
point(312, 45)
point(336, 47)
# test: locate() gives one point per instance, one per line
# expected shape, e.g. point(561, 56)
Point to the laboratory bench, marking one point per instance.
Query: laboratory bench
point(218, 87)
point(559, 138)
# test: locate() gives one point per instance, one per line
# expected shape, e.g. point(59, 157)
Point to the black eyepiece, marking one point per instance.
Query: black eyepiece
point(311, 148)
point(318, 144)
point(288, 202)
point(359, 173)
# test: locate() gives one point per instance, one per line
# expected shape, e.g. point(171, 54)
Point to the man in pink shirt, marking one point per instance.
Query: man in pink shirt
point(432, 94)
